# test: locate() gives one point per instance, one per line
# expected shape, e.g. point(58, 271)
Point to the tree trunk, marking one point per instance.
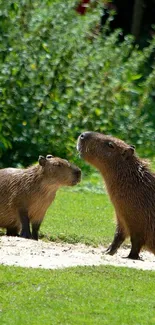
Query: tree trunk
point(137, 18)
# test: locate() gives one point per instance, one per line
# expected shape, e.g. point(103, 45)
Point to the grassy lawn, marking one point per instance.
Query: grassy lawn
point(79, 217)
point(77, 296)
point(81, 214)
point(83, 295)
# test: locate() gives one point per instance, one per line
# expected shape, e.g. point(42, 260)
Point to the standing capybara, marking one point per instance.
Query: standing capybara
point(131, 187)
point(27, 193)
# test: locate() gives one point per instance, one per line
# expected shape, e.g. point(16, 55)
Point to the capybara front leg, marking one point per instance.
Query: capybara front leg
point(12, 231)
point(25, 232)
point(119, 238)
point(35, 229)
point(136, 245)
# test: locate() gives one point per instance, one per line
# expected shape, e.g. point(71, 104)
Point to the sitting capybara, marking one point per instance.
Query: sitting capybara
point(25, 194)
point(131, 187)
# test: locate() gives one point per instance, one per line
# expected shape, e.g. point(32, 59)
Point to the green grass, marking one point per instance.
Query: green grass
point(79, 217)
point(80, 214)
point(77, 296)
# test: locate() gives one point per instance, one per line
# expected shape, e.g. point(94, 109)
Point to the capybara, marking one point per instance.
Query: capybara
point(131, 187)
point(27, 193)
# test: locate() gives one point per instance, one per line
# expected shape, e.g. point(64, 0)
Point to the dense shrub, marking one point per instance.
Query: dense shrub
point(59, 76)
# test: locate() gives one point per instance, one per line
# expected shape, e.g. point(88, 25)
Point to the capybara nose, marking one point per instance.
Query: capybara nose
point(49, 156)
point(85, 135)
point(82, 136)
point(77, 173)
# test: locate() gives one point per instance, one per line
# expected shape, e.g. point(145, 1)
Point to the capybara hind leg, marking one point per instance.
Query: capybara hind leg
point(12, 231)
point(119, 238)
point(136, 245)
point(25, 232)
point(35, 229)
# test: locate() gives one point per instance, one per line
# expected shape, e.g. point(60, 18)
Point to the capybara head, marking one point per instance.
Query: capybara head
point(59, 171)
point(97, 148)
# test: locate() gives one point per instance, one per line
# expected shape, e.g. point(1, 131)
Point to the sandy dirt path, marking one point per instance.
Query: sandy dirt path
point(48, 255)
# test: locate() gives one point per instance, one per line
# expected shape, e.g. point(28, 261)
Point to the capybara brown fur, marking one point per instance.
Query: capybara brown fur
point(131, 187)
point(27, 193)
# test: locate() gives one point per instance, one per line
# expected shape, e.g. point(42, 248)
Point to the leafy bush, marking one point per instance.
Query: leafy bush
point(59, 77)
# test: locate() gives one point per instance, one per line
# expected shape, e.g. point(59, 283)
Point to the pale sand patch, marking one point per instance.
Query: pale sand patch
point(48, 255)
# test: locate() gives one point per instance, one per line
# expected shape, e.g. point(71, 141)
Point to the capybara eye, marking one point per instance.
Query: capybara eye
point(49, 156)
point(111, 145)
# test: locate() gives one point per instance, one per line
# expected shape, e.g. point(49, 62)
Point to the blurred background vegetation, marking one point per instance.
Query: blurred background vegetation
point(63, 72)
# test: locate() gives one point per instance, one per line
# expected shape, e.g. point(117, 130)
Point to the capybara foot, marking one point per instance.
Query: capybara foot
point(34, 237)
point(110, 251)
point(35, 229)
point(25, 235)
point(134, 256)
point(12, 232)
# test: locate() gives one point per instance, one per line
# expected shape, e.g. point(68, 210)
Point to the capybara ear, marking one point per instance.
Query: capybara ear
point(128, 152)
point(42, 160)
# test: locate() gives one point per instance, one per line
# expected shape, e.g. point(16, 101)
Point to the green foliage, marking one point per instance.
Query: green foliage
point(83, 295)
point(58, 77)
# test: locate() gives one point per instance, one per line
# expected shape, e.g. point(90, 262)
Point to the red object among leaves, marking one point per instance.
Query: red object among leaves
point(82, 7)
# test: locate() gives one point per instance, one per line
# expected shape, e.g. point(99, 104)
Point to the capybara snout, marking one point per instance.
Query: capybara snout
point(83, 140)
point(76, 175)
